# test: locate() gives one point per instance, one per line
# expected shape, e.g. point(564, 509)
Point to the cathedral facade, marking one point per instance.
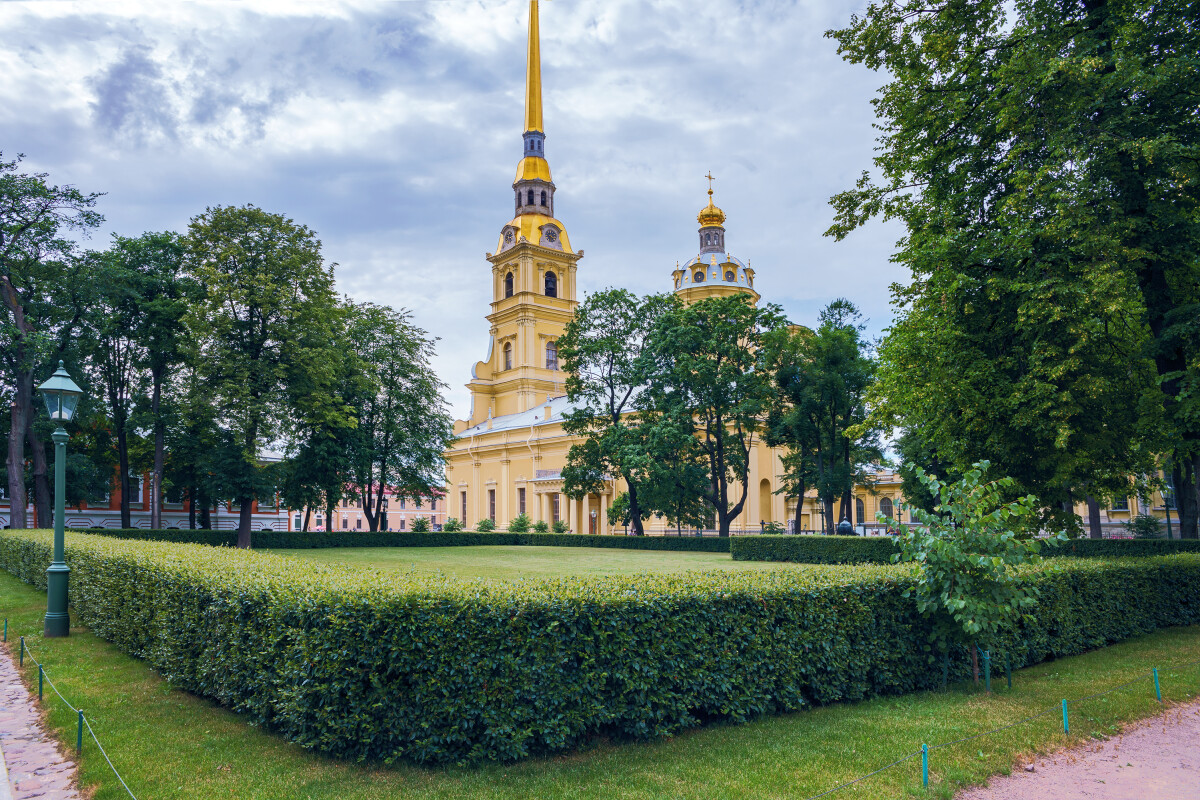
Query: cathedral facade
point(508, 456)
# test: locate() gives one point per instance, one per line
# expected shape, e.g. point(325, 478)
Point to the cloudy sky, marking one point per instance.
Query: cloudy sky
point(393, 129)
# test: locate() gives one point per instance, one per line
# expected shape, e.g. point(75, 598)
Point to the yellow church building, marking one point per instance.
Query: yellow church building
point(508, 456)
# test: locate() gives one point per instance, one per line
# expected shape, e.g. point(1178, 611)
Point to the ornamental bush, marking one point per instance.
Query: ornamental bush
point(485, 525)
point(437, 670)
point(319, 539)
point(519, 524)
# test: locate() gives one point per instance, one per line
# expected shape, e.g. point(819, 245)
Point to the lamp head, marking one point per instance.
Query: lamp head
point(61, 395)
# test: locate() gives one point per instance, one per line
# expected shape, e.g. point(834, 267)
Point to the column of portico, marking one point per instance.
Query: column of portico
point(543, 501)
point(586, 516)
point(603, 523)
point(571, 520)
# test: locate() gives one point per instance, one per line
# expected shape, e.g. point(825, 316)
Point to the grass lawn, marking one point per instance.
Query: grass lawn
point(503, 562)
point(169, 744)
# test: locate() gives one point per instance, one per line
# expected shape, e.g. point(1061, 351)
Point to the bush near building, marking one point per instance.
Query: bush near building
point(879, 549)
point(436, 670)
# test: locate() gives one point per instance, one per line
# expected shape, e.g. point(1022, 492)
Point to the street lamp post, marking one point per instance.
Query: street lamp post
point(61, 396)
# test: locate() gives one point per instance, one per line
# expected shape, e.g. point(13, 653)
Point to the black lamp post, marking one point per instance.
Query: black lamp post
point(61, 396)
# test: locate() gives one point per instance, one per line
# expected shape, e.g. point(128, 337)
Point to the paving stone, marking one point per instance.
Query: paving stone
point(37, 768)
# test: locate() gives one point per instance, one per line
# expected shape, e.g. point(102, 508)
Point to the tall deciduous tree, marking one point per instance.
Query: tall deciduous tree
point(710, 367)
point(403, 424)
point(42, 297)
point(604, 352)
point(1044, 157)
point(820, 410)
point(268, 301)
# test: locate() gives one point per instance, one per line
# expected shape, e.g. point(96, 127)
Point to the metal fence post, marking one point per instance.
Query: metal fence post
point(1066, 724)
point(21, 659)
point(41, 680)
point(1157, 691)
point(79, 735)
point(6, 629)
point(925, 765)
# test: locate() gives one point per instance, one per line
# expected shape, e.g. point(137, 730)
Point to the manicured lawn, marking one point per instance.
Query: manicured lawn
point(502, 562)
point(170, 744)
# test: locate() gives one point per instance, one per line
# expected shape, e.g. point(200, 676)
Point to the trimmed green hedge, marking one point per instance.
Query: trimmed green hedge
point(808, 549)
point(297, 539)
point(436, 670)
point(811, 549)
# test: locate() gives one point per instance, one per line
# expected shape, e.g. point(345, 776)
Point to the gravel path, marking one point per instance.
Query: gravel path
point(1155, 759)
point(36, 766)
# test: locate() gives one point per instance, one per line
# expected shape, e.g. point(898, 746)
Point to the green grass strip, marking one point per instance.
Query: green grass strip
point(168, 743)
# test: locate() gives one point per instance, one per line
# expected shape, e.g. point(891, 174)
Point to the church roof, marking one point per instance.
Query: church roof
point(525, 419)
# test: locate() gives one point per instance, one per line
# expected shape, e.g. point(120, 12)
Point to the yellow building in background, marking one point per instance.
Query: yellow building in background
point(508, 455)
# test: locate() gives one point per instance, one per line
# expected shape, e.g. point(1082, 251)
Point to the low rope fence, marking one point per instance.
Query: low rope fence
point(82, 723)
point(923, 753)
point(926, 749)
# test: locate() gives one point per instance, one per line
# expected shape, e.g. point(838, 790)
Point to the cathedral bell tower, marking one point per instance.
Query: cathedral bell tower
point(533, 277)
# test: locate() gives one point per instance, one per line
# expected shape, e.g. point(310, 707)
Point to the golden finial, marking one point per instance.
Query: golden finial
point(710, 215)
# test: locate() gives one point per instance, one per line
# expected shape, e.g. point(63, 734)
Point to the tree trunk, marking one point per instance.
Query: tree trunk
point(1185, 474)
point(43, 499)
point(192, 508)
point(123, 467)
point(205, 513)
point(1094, 530)
point(828, 515)
point(15, 463)
point(635, 510)
point(160, 457)
point(245, 515)
point(799, 508)
point(307, 518)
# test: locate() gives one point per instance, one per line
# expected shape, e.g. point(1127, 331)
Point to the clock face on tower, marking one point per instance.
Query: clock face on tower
point(551, 236)
point(508, 236)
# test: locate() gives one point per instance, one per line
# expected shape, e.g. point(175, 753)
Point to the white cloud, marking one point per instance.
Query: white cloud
point(393, 129)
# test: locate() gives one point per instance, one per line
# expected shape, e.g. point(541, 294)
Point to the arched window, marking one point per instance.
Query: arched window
point(551, 285)
point(698, 277)
point(708, 238)
point(508, 285)
point(729, 277)
point(860, 512)
point(551, 355)
point(543, 197)
point(529, 197)
point(508, 355)
point(885, 507)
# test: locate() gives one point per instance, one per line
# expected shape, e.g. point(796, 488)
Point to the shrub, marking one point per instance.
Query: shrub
point(772, 527)
point(420, 525)
point(486, 525)
point(519, 524)
point(451, 525)
point(1145, 526)
point(814, 549)
point(560, 526)
point(541, 527)
point(322, 539)
point(436, 670)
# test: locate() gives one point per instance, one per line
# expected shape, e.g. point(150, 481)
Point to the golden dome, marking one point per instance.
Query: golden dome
point(710, 215)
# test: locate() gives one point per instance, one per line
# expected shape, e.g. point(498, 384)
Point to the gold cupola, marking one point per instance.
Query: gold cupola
point(710, 216)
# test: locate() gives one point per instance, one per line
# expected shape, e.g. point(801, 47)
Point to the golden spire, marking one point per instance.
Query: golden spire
point(533, 74)
point(710, 215)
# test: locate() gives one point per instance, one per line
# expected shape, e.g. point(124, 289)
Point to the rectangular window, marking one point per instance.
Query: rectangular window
point(402, 523)
point(554, 505)
point(320, 521)
point(1120, 504)
point(433, 504)
point(358, 523)
point(299, 522)
point(464, 509)
point(521, 500)
point(402, 502)
point(492, 504)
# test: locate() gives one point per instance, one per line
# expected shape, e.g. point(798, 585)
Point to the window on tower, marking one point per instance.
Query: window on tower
point(551, 285)
point(508, 355)
point(552, 355)
point(543, 197)
point(508, 285)
point(529, 197)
